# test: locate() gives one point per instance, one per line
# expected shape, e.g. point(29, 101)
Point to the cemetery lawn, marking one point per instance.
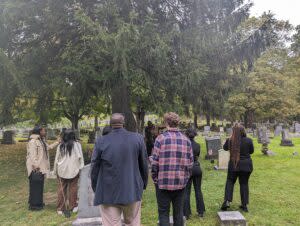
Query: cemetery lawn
point(274, 190)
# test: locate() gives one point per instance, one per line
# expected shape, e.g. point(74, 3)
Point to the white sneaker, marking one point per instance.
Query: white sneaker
point(75, 210)
point(60, 212)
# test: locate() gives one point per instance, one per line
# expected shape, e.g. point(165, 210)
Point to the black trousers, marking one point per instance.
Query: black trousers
point(164, 200)
point(36, 190)
point(196, 181)
point(244, 186)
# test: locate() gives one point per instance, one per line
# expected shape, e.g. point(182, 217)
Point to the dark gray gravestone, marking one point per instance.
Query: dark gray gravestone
point(259, 135)
point(285, 138)
point(277, 131)
point(9, 137)
point(213, 145)
point(88, 214)
point(231, 218)
point(265, 139)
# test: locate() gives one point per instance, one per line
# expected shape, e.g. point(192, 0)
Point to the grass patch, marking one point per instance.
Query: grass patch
point(274, 190)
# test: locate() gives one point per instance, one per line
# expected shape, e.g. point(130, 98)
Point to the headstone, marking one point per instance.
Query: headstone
point(285, 138)
point(223, 159)
point(1, 134)
point(229, 131)
point(231, 218)
point(297, 127)
point(269, 134)
point(206, 130)
point(295, 153)
point(262, 136)
point(9, 137)
point(51, 134)
point(277, 131)
point(213, 145)
point(88, 214)
point(172, 221)
point(221, 129)
point(291, 129)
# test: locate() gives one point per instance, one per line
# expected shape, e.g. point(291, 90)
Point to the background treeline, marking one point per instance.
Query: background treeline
point(76, 58)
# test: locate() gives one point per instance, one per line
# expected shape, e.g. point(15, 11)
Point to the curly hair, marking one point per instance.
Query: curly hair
point(172, 119)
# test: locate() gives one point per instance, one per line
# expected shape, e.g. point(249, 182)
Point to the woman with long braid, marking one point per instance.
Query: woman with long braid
point(38, 165)
point(240, 166)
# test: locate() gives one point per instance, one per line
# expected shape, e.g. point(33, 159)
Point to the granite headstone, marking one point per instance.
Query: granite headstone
point(213, 145)
point(277, 131)
point(286, 139)
point(9, 137)
point(88, 214)
point(223, 159)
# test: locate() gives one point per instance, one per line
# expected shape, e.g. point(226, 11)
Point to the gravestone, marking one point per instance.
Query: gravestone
point(277, 131)
point(9, 137)
point(1, 134)
point(291, 129)
point(231, 218)
point(88, 214)
point(223, 159)
point(262, 136)
point(229, 131)
point(213, 145)
point(206, 130)
point(51, 134)
point(221, 129)
point(297, 127)
point(286, 139)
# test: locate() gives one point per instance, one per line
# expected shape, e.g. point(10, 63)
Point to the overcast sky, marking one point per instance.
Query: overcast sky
point(283, 9)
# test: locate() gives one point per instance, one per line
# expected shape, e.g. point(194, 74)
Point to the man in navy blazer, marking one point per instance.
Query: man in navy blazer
point(119, 174)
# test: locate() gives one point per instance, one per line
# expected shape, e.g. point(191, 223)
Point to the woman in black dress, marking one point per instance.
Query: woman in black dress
point(240, 166)
point(195, 179)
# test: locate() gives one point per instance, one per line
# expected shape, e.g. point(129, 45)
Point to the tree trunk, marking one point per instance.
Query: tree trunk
point(121, 104)
point(75, 122)
point(195, 120)
point(207, 119)
point(249, 118)
point(96, 122)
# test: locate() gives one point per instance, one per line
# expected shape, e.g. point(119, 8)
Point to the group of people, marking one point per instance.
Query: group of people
point(120, 169)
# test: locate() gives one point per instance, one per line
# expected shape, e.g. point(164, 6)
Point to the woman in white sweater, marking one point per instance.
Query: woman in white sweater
point(68, 162)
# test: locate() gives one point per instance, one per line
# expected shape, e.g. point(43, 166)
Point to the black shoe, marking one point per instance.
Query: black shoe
point(225, 205)
point(201, 215)
point(244, 208)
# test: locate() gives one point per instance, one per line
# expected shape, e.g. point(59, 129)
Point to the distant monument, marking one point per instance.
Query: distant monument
point(285, 138)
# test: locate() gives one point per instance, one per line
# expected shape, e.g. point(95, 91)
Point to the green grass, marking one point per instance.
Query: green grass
point(274, 190)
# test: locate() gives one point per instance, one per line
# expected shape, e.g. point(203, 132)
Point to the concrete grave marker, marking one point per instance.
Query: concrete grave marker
point(277, 131)
point(88, 214)
point(223, 159)
point(231, 218)
point(9, 137)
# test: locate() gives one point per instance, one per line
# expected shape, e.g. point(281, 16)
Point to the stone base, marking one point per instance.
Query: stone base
point(172, 222)
point(96, 221)
point(286, 143)
point(231, 218)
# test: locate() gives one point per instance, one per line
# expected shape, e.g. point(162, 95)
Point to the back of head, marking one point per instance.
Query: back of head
point(36, 130)
point(68, 140)
point(172, 119)
point(117, 120)
point(191, 133)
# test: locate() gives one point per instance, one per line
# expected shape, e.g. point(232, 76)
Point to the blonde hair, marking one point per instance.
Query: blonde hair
point(172, 119)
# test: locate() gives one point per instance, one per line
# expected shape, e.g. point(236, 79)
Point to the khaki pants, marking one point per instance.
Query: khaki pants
point(111, 214)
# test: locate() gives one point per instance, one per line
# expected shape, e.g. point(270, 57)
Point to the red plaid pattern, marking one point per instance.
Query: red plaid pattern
point(172, 160)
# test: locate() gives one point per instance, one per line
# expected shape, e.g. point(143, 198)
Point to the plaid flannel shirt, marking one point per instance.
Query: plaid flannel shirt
point(172, 160)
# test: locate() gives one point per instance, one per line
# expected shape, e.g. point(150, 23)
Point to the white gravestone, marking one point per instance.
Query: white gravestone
point(223, 159)
point(88, 214)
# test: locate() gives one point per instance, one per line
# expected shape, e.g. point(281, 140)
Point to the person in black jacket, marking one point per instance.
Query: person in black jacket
point(240, 166)
point(119, 174)
point(195, 179)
